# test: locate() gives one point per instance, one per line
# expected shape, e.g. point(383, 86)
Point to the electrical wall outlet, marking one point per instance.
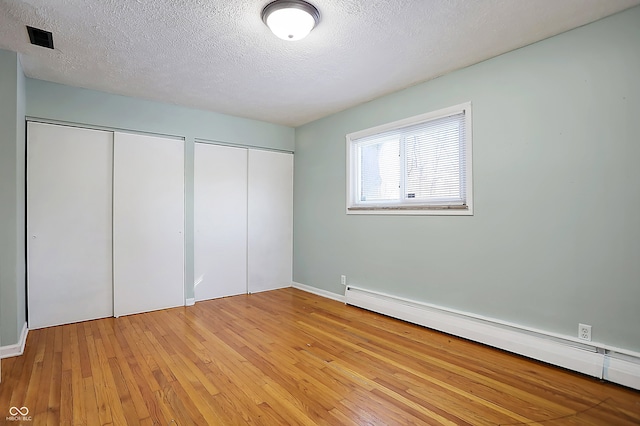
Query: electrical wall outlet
point(584, 332)
point(343, 279)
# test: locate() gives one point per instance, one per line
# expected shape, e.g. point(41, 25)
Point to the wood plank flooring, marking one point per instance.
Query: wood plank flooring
point(289, 357)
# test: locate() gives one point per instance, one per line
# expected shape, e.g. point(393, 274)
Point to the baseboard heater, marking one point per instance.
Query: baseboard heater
point(601, 361)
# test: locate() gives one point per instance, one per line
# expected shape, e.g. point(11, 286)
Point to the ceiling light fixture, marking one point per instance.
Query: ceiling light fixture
point(290, 19)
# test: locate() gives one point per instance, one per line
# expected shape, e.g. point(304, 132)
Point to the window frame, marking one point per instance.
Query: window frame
point(400, 206)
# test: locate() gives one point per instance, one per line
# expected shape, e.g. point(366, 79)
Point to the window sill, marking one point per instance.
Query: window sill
point(412, 210)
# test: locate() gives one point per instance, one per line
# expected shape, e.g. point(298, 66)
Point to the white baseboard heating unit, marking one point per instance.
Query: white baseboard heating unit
point(597, 360)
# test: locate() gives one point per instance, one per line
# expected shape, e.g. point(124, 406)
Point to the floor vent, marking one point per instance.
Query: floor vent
point(40, 37)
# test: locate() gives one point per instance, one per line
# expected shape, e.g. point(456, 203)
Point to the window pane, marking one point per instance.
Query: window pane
point(417, 165)
point(380, 171)
point(433, 162)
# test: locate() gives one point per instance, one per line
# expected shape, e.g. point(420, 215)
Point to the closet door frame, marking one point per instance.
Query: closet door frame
point(268, 221)
point(263, 271)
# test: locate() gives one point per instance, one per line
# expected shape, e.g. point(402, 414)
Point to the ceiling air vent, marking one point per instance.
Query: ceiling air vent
point(40, 37)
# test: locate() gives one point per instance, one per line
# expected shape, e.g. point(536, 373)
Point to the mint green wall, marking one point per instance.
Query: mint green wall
point(21, 185)
point(76, 105)
point(555, 239)
point(12, 185)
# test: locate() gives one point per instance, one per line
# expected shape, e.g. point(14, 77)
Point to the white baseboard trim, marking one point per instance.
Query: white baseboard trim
point(319, 292)
point(587, 358)
point(190, 301)
point(262, 290)
point(622, 370)
point(17, 348)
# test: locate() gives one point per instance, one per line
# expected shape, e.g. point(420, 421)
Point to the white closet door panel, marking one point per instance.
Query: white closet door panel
point(220, 198)
point(148, 223)
point(69, 188)
point(270, 221)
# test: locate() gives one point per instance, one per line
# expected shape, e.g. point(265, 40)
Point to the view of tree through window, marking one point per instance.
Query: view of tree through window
point(381, 171)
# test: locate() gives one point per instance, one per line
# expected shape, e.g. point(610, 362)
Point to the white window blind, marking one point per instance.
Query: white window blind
point(420, 163)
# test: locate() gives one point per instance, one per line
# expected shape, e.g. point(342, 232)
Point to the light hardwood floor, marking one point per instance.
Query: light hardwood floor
point(289, 357)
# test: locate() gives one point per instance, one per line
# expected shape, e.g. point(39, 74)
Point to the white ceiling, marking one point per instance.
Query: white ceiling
point(218, 55)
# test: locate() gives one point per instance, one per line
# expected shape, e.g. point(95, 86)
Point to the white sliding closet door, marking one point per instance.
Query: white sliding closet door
point(270, 221)
point(220, 198)
point(69, 221)
point(148, 223)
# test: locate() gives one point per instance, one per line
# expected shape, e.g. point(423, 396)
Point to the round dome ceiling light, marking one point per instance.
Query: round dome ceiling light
point(290, 19)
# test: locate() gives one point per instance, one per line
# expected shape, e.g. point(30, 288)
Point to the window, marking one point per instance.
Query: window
point(420, 165)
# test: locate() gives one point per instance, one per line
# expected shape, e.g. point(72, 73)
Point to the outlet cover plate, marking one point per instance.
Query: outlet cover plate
point(584, 332)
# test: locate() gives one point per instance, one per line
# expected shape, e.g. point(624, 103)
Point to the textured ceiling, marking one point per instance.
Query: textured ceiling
point(218, 55)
